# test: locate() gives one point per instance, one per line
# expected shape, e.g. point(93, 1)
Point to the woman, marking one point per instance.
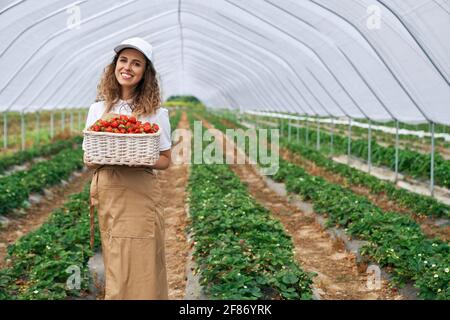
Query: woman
point(128, 198)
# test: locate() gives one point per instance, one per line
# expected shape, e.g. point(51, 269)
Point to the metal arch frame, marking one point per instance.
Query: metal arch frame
point(403, 23)
point(11, 6)
point(377, 54)
point(213, 80)
point(309, 47)
point(180, 24)
point(88, 68)
point(226, 98)
point(35, 23)
point(317, 100)
point(255, 89)
point(261, 47)
point(88, 84)
point(56, 34)
point(297, 75)
point(231, 81)
point(255, 61)
point(236, 61)
point(83, 50)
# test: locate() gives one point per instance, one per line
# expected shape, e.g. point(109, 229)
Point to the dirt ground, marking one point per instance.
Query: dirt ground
point(173, 185)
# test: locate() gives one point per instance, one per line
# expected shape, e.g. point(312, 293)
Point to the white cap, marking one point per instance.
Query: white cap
point(138, 44)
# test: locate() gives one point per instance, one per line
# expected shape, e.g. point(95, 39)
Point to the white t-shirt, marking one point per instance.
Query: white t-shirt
point(161, 117)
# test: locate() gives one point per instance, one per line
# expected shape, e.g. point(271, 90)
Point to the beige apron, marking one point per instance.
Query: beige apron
point(132, 232)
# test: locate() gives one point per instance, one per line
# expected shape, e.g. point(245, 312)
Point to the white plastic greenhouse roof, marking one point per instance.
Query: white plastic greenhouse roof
point(377, 59)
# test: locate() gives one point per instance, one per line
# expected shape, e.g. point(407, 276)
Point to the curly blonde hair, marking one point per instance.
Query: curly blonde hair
point(147, 94)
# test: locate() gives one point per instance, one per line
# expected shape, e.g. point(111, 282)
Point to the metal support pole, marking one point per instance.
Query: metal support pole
point(298, 131)
point(318, 134)
point(307, 130)
point(332, 136)
point(22, 127)
point(396, 150)
point(37, 127)
point(52, 124)
point(432, 160)
point(63, 120)
point(369, 151)
point(71, 121)
point(349, 146)
point(79, 120)
point(289, 130)
point(5, 130)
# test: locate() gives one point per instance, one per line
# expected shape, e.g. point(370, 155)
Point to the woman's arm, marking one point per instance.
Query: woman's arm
point(163, 161)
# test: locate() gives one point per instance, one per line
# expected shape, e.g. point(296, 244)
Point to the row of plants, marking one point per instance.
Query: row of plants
point(44, 150)
point(16, 187)
point(174, 119)
point(396, 241)
point(418, 204)
point(51, 262)
point(240, 250)
point(410, 162)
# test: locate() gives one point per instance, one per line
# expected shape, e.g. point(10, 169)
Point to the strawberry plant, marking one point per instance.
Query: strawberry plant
point(15, 188)
point(40, 259)
point(40, 151)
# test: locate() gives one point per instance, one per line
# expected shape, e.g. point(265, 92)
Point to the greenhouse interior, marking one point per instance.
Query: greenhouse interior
point(225, 150)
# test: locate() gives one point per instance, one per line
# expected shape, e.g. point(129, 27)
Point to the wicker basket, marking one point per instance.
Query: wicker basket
point(121, 149)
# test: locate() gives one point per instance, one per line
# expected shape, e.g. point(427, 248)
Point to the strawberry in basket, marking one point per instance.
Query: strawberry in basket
point(123, 124)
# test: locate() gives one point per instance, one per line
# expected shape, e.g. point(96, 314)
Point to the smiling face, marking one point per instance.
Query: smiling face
point(130, 68)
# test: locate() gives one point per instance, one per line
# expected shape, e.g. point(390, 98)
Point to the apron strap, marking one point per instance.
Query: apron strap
point(92, 218)
point(92, 208)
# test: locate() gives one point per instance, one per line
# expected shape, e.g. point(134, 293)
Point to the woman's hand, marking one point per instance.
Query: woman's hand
point(163, 161)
